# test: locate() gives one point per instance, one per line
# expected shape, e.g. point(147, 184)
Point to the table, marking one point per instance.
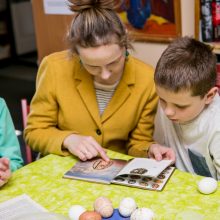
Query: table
point(42, 181)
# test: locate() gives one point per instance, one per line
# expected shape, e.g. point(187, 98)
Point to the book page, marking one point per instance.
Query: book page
point(145, 167)
point(144, 182)
point(96, 170)
point(19, 206)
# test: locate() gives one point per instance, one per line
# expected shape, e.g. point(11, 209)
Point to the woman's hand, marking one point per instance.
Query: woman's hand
point(84, 147)
point(159, 152)
point(5, 172)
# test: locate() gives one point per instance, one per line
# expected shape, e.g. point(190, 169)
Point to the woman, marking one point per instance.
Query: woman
point(99, 97)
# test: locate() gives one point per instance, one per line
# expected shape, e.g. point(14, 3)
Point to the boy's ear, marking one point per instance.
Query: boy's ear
point(210, 95)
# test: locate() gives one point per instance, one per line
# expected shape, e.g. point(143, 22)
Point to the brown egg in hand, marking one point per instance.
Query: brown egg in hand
point(90, 215)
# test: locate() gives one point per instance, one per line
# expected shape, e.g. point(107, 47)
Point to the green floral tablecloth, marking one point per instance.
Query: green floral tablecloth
point(43, 182)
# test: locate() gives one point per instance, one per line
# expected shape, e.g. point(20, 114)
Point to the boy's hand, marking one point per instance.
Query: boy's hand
point(5, 172)
point(159, 152)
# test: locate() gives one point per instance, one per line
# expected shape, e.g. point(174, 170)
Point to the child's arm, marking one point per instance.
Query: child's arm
point(5, 172)
point(160, 152)
point(9, 145)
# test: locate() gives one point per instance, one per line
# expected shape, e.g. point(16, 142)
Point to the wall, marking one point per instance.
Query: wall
point(150, 52)
point(23, 28)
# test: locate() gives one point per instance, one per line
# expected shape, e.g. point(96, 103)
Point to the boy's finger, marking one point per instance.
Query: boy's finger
point(157, 154)
point(172, 156)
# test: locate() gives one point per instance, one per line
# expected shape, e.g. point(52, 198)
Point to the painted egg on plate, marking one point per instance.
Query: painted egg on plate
point(142, 214)
point(90, 215)
point(75, 211)
point(103, 206)
point(127, 206)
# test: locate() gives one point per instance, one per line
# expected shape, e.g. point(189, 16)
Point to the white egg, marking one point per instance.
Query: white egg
point(207, 185)
point(75, 211)
point(127, 206)
point(142, 214)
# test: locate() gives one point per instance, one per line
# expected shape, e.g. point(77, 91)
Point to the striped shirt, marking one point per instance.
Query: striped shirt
point(104, 94)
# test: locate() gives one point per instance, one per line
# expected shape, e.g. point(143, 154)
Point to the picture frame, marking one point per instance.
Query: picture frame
point(197, 19)
point(151, 20)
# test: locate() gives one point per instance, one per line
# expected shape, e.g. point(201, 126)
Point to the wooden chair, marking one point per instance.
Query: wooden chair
point(25, 111)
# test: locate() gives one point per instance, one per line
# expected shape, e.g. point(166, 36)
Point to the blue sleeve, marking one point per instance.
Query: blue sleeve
point(9, 145)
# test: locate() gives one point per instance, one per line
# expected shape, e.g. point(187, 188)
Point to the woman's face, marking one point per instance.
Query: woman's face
point(105, 63)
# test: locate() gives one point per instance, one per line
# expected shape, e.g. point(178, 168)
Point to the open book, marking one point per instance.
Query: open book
point(18, 207)
point(139, 172)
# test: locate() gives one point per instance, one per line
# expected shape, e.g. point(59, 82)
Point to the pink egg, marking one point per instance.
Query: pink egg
point(90, 215)
point(104, 207)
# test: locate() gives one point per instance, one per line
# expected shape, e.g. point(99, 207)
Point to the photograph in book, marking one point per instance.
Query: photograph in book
point(145, 167)
point(96, 170)
point(139, 172)
point(145, 182)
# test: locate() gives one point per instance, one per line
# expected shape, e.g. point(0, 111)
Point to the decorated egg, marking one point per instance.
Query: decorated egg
point(104, 207)
point(207, 185)
point(142, 214)
point(90, 215)
point(75, 211)
point(127, 206)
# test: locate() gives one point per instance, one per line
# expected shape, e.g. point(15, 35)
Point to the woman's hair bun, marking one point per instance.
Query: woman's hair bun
point(80, 5)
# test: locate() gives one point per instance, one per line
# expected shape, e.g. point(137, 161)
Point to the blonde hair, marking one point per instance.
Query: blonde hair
point(95, 24)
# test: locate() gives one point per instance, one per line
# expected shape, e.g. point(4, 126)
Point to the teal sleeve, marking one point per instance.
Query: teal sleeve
point(9, 145)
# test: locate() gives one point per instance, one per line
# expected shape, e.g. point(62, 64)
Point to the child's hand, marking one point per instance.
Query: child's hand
point(5, 172)
point(159, 152)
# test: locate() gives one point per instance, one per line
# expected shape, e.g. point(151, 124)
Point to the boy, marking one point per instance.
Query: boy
point(10, 154)
point(188, 118)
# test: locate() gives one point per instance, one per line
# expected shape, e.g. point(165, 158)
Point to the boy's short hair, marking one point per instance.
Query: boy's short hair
point(187, 64)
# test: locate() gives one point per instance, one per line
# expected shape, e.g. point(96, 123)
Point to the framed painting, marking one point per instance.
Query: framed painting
point(151, 20)
point(197, 19)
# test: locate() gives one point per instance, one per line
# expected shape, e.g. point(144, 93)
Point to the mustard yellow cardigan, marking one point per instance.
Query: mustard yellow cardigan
point(65, 103)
